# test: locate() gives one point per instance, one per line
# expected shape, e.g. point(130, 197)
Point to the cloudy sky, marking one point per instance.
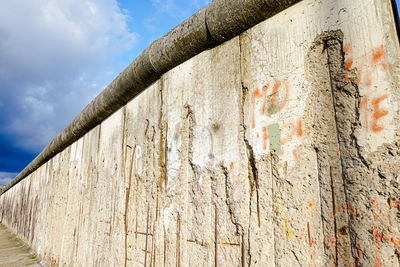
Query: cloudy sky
point(56, 56)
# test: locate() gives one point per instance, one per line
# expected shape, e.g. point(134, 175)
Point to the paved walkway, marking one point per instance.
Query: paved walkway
point(13, 252)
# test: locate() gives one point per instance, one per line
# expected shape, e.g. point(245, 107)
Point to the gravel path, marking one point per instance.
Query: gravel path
point(13, 252)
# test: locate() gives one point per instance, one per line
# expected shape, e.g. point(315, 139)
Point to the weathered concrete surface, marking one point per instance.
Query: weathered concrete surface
point(216, 23)
point(279, 147)
point(13, 252)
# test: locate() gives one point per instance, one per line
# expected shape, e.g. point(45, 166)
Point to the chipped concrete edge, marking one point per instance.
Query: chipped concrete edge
point(219, 21)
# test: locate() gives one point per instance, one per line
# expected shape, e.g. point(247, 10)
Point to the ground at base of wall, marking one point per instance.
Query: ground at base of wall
point(13, 251)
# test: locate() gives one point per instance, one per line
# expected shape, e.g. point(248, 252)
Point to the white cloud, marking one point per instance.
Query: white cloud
point(7, 177)
point(55, 56)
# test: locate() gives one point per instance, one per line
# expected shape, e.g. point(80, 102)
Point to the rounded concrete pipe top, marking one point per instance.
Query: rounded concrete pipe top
point(219, 21)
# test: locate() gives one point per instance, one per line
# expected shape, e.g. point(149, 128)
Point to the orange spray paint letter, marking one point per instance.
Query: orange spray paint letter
point(378, 113)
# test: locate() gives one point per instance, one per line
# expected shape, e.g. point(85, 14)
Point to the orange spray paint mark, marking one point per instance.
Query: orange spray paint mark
point(377, 239)
point(396, 242)
point(345, 207)
point(377, 54)
point(293, 128)
point(368, 82)
point(376, 59)
point(378, 253)
point(384, 217)
point(264, 89)
point(286, 138)
point(231, 165)
point(332, 242)
point(265, 137)
point(346, 48)
point(396, 204)
point(255, 94)
point(358, 78)
point(285, 99)
point(296, 157)
point(359, 251)
point(299, 130)
point(273, 107)
point(274, 90)
point(364, 111)
point(378, 113)
point(363, 102)
point(382, 237)
point(374, 216)
point(348, 63)
point(346, 77)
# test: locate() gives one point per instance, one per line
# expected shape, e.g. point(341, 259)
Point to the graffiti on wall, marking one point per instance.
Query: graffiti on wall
point(274, 128)
point(381, 230)
point(377, 105)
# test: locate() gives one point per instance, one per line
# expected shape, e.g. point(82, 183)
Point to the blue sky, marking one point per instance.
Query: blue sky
point(56, 56)
point(397, 4)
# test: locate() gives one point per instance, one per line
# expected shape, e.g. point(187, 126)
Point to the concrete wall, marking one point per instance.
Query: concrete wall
point(279, 147)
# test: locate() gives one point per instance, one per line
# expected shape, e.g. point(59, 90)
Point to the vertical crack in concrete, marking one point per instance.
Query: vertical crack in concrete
point(128, 191)
point(191, 121)
point(274, 174)
point(163, 144)
point(229, 201)
point(297, 258)
point(333, 208)
point(323, 220)
point(253, 176)
point(123, 144)
point(252, 168)
point(346, 102)
point(124, 149)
